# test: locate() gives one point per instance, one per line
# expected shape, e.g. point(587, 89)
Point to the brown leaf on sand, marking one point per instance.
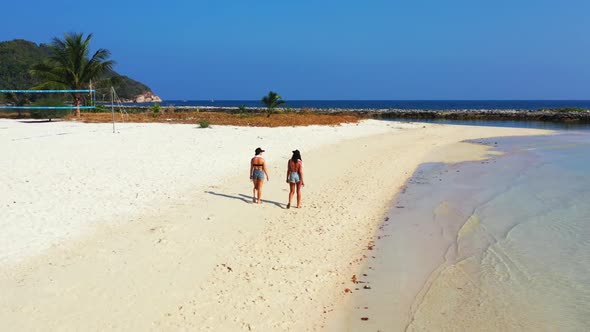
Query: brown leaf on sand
point(347, 290)
point(365, 318)
point(353, 279)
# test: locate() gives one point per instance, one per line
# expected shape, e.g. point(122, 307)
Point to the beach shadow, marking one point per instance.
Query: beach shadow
point(229, 196)
point(246, 199)
point(37, 121)
point(282, 206)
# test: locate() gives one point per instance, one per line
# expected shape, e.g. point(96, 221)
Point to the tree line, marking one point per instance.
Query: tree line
point(69, 65)
point(63, 64)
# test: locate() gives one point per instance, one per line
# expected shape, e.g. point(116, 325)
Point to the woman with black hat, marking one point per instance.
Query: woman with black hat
point(295, 177)
point(257, 174)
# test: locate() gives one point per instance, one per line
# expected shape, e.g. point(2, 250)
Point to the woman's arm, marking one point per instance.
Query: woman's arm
point(288, 164)
point(265, 172)
point(251, 168)
point(301, 173)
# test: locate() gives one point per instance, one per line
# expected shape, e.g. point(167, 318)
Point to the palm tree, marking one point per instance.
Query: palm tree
point(272, 100)
point(70, 67)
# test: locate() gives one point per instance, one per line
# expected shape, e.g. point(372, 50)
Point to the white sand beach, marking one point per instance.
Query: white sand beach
point(152, 228)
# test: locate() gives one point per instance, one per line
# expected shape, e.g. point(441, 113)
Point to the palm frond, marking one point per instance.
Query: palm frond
point(69, 65)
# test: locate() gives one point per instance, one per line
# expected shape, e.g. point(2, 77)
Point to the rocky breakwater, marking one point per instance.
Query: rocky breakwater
point(548, 115)
point(552, 115)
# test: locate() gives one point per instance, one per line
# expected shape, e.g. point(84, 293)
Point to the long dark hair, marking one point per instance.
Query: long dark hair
point(296, 156)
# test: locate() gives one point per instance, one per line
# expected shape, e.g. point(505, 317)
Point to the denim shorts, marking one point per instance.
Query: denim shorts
point(294, 177)
point(258, 174)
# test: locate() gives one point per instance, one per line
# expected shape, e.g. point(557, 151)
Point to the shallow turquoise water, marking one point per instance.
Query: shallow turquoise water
point(498, 245)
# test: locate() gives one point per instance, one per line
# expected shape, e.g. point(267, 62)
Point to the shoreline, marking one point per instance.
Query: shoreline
point(435, 252)
point(393, 271)
point(210, 259)
point(419, 248)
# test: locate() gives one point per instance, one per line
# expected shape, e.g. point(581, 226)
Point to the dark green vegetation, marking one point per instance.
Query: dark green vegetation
point(16, 99)
point(126, 87)
point(155, 108)
point(17, 58)
point(49, 113)
point(204, 123)
point(271, 101)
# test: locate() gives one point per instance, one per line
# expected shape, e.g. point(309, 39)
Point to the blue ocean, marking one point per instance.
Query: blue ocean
point(501, 244)
point(396, 104)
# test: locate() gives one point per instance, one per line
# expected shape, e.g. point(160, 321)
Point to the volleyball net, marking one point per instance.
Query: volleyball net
point(61, 103)
point(47, 99)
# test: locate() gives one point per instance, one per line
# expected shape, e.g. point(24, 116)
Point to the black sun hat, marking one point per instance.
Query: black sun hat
point(258, 150)
point(296, 155)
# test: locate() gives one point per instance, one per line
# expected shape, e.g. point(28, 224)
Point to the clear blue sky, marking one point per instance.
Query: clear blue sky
point(413, 49)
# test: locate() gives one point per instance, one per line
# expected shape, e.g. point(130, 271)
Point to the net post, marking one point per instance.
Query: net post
point(113, 106)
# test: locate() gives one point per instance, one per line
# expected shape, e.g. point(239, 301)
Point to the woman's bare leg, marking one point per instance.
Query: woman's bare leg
point(298, 195)
point(259, 187)
point(254, 191)
point(291, 193)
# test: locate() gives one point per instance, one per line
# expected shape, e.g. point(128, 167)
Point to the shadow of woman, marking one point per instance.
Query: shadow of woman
point(246, 199)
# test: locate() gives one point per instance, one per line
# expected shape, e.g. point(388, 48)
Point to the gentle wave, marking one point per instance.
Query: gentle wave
point(498, 245)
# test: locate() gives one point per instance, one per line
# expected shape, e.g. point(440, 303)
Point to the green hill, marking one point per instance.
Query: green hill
point(18, 56)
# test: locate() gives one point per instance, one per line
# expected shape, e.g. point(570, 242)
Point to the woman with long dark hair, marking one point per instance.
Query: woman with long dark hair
point(257, 174)
point(295, 177)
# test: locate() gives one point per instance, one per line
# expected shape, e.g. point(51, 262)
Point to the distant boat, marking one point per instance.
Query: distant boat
point(212, 100)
